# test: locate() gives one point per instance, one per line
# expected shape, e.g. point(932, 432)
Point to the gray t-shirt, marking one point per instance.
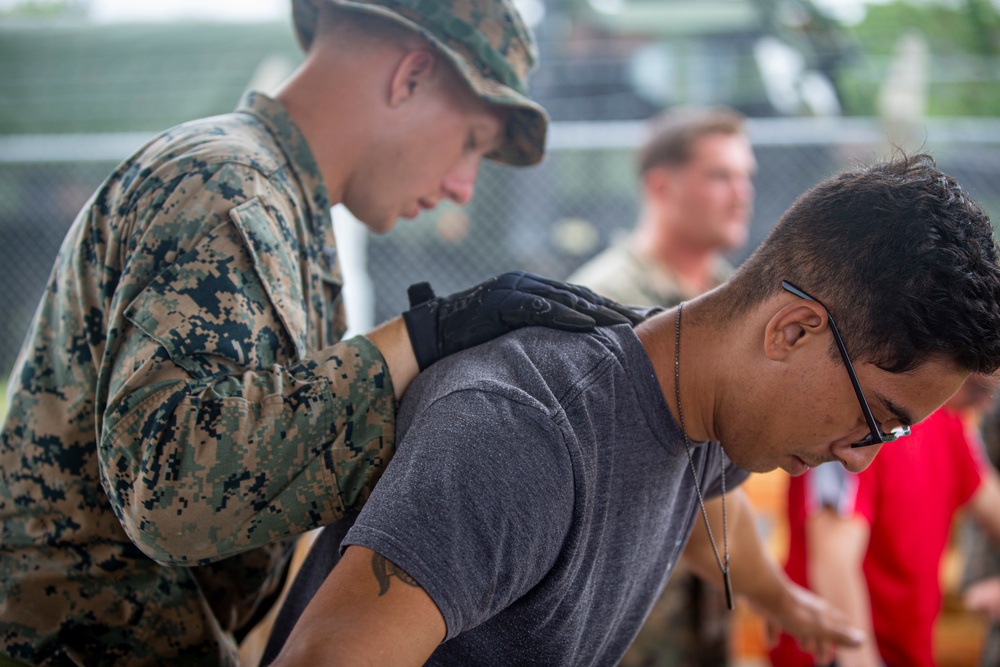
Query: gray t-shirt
point(541, 495)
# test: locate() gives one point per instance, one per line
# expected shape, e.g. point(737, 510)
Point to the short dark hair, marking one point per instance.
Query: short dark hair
point(900, 254)
point(332, 19)
point(674, 133)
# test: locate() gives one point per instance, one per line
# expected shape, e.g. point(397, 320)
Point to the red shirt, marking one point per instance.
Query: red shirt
point(908, 496)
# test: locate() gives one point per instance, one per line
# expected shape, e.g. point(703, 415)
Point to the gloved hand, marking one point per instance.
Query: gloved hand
point(439, 326)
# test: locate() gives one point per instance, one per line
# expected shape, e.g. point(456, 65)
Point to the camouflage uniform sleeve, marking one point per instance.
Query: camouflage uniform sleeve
point(224, 428)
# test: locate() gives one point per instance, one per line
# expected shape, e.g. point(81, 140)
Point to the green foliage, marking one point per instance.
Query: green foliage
point(963, 38)
point(43, 9)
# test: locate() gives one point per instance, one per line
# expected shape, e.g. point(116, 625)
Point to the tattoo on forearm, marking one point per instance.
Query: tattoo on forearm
point(385, 569)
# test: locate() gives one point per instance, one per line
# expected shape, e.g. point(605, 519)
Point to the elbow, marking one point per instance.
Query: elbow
point(160, 505)
point(163, 518)
point(163, 533)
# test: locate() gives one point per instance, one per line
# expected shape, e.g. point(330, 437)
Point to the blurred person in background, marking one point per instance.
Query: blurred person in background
point(184, 403)
point(695, 171)
point(872, 543)
point(981, 575)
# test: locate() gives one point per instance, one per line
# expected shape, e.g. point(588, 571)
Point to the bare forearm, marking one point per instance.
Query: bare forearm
point(753, 571)
point(393, 341)
point(755, 575)
point(836, 547)
point(985, 506)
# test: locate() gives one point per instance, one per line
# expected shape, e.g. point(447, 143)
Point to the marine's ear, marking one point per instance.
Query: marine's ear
point(412, 75)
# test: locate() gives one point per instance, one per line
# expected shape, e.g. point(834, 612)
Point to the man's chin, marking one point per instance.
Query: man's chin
point(736, 239)
point(796, 467)
point(380, 226)
point(753, 465)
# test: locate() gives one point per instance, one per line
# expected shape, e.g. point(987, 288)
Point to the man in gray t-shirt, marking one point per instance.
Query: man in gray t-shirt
point(541, 494)
point(546, 483)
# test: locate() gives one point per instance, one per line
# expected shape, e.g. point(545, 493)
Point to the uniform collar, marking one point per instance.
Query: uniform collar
point(293, 143)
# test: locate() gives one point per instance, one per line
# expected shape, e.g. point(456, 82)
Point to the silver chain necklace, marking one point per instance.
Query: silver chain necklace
point(728, 585)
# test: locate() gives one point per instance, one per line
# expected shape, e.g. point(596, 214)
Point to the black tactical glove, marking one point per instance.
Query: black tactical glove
point(439, 326)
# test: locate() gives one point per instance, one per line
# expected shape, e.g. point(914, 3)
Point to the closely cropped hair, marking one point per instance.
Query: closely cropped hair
point(336, 23)
point(901, 256)
point(675, 132)
point(337, 26)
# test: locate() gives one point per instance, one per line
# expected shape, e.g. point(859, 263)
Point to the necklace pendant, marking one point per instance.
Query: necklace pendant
point(729, 589)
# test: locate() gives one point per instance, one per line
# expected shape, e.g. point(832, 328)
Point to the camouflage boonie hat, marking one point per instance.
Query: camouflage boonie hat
point(488, 43)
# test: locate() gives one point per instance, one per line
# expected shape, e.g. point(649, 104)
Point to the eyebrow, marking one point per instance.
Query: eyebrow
point(899, 412)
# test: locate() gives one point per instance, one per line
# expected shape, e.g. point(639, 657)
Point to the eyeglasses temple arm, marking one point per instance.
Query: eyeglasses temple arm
point(843, 353)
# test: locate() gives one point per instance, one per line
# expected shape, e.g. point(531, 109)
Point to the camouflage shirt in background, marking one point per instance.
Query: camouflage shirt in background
point(183, 404)
point(622, 273)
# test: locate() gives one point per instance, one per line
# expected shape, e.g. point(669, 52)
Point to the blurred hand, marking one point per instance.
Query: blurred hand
point(984, 597)
point(818, 626)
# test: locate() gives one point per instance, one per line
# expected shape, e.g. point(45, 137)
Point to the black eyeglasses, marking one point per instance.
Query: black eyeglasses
point(877, 435)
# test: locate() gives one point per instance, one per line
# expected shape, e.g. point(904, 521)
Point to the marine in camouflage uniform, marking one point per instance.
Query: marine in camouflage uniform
point(183, 384)
point(184, 405)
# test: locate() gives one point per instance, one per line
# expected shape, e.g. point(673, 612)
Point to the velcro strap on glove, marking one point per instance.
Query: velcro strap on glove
point(421, 324)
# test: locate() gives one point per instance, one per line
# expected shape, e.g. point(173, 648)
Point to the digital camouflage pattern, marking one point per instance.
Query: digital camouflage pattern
point(183, 404)
point(486, 41)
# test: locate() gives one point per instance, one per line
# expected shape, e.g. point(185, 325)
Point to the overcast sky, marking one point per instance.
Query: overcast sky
point(152, 10)
point(163, 10)
point(256, 10)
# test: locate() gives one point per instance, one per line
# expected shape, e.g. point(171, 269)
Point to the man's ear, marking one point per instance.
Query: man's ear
point(657, 181)
point(653, 181)
point(413, 73)
point(792, 327)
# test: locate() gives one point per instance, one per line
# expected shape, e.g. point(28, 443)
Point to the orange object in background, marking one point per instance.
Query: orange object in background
point(767, 492)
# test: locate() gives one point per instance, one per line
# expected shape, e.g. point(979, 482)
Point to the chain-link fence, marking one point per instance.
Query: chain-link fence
point(547, 219)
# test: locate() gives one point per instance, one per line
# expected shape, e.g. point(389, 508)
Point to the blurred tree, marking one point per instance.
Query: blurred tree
point(963, 39)
point(33, 9)
point(986, 23)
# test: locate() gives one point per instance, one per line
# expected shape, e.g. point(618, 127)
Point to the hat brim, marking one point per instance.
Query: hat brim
point(527, 122)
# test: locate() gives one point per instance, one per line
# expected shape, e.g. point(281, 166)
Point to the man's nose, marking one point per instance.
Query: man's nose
point(856, 459)
point(460, 183)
